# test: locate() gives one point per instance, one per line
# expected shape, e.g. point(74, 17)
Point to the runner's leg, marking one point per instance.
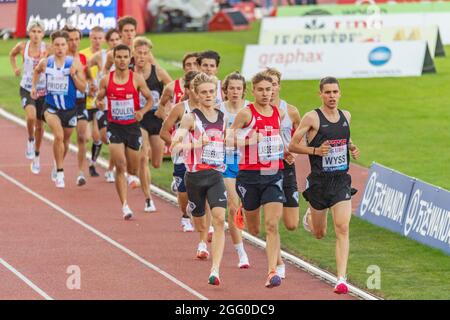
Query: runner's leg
point(342, 213)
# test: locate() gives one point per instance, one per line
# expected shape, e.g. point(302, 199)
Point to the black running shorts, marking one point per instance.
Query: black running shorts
point(256, 189)
point(151, 123)
point(39, 104)
point(82, 113)
point(290, 186)
point(129, 135)
point(205, 185)
point(324, 191)
point(68, 118)
point(102, 119)
point(91, 114)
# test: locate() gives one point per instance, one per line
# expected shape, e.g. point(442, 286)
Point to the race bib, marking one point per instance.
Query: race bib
point(58, 85)
point(271, 148)
point(122, 110)
point(336, 160)
point(213, 153)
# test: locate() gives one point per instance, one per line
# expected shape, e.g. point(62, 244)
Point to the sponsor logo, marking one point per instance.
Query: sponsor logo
point(380, 56)
point(242, 190)
point(314, 25)
point(345, 124)
point(190, 207)
point(73, 121)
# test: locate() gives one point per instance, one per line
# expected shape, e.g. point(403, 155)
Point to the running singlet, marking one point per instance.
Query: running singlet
point(156, 87)
point(269, 152)
point(96, 74)
point(219, 98)
point(123, 101)
point(338, 134)
point(83, 60)
point(287, 127)
point(178, 92)
point(211, 155)
point(61, 90)
point(29, 63)
point(229, 119)
point(178, 157)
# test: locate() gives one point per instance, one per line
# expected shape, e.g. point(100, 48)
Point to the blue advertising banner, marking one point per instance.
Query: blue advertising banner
point(83, 14)
point(428, 216)
point(385, 198)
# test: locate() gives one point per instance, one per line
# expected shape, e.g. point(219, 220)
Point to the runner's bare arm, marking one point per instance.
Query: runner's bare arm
point(109, 63)
point(294, 115)
point(186, 125)
point(308, 123)
point(101, 94)
point(141, 86)
point(236, 135)
point(78, 75)
point(167, 94)
point(169, 123)
point(163, 75)
point(95, 61)
point(18, 49)
point(354, 150)
point(40, 68)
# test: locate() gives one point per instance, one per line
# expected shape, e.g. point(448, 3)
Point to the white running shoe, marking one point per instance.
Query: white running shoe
point(36, 166)
point(59, 181)
point(202, 251)
point(54, 174)
point(81, 180)
point(341, 286)
point(173, 186)
point(243, 261)
point(29, 153)
point(210, 233)
point(305, 220)
point(281, 271)
point(187, 225)
point(109, 176)
point(127, 213)
point(133, 182)
point(149, 206)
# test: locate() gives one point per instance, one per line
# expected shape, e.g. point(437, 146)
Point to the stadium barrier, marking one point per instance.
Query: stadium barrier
point(348, 60)
point(407, 206)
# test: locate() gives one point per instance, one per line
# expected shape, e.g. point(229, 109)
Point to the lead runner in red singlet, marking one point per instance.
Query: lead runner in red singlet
point(122, 88)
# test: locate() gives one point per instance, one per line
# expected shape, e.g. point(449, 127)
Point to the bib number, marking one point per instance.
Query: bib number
point(122, 110)
point(271, 148)
point(336, 160)
point(213, 153)
point(58, 85)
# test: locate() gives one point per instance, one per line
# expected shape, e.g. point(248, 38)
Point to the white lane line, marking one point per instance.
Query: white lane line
point(25, 279)
point(103, 236)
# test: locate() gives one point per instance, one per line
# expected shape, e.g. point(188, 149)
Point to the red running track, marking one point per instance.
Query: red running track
point(44, 231)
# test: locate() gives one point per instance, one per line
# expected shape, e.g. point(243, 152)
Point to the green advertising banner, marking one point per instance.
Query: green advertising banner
point(364, 8)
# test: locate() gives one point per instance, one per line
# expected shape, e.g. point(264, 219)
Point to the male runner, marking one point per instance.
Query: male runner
point(179, 169)
point(64, 75)
point(329, 185)
point(122, 88)
point(96, 39)
point(208, 62)
point(259, 182)
point(32, 52)
point(289, 124)
point(152, 148)
point(234, 87)
point(204, 129)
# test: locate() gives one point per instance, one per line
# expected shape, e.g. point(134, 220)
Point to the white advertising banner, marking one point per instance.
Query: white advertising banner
point(442, 20)
point(333, 36)
point(348, 60)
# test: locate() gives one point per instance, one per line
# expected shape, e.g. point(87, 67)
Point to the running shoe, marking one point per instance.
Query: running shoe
point(35, 166)
point(243, 261)
point(187, 225)
point(93, 172)
point(305, 220)
point(210, 233)
point(29, 153)
point(173, 186)
point(281, 271)
point(81, 180)
point(202, 251)
point(127, 213)
point(273, 280)
point(109, 176)
point(149, 206)
point(134, 182)
point(59, 181)
point(341, 286)
point(54, 174)
point(214, 278)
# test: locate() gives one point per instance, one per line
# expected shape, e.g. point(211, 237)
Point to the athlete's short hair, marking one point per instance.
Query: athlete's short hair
point(142, 41)
point(208, 55)
point(59, 34)
point(234, 76)
point(188, 77)
point(110, 32)
point(68, 28)
point(188, 56)
point(272, 72)
point(97, 29)
point(126, 20)
point(35, 23)
point(259, 77)
point(202, 78)
point(328, 80)
point(121, 47)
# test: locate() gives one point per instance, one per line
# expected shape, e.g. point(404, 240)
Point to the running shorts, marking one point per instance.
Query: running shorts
point(151, 123)
point(205, 185)
point(129, 135)
point(39, 104)
point(82, 113)
point(68, 118)
point(179, 170)
point(91, 114)
point(102, 119)
point(290, 186)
